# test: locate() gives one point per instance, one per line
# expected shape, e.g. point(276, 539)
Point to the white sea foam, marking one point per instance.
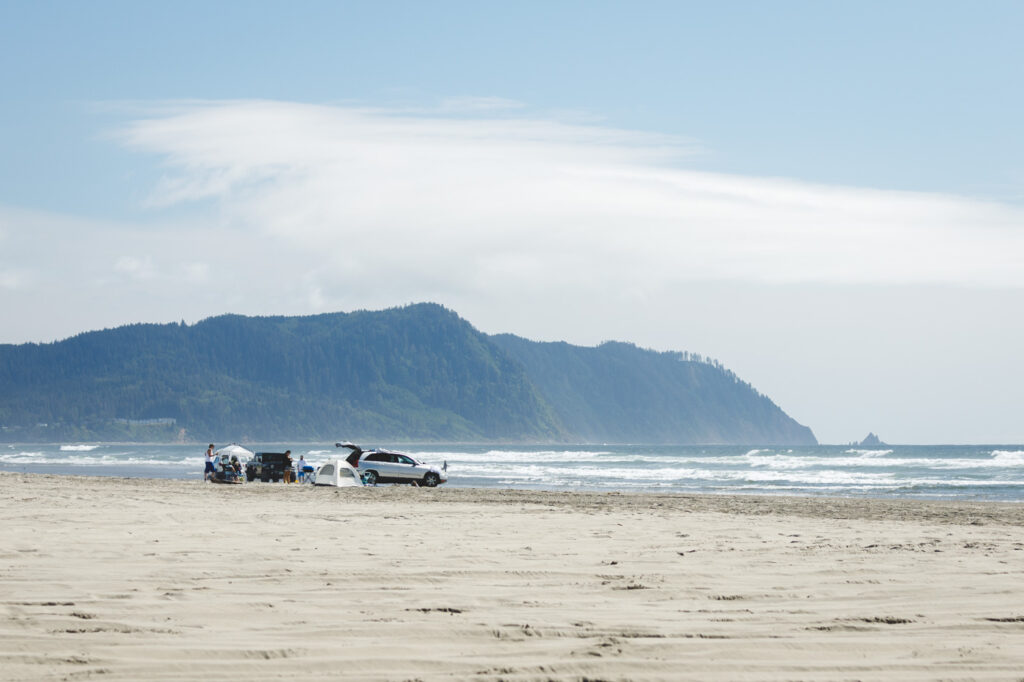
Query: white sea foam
point(870, 453)
point(573, 457)
point(512, 456)
point(23, 456)
point(107, 460)
point(1008, 457)
point(78, 448)
point(586, 475)
point(936, 463)
point(824, 477)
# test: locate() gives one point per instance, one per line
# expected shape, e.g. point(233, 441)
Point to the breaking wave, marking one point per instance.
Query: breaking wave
point(1008, 457)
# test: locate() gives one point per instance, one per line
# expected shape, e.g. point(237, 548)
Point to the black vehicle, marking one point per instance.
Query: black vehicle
point(267, 466)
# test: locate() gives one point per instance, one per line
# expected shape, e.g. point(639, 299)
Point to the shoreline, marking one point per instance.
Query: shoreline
point(923, 472)
point(169, 579)
point(956, 511)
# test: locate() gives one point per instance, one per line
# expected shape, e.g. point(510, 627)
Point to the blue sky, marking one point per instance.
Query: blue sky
point(828, 197)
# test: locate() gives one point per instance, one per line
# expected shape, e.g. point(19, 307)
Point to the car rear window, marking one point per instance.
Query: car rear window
point(271, 456)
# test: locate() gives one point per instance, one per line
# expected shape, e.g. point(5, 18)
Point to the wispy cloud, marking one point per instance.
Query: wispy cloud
point(135, 267)
point(301, 208)
point(499, 201)
point(12, 280)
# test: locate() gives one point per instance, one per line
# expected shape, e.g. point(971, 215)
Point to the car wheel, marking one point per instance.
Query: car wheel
point(370, 478)
point(265, 477)
point(431, 480)
point(249, 477)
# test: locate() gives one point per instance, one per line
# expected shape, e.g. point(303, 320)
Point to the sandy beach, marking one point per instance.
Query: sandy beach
point(138, 579)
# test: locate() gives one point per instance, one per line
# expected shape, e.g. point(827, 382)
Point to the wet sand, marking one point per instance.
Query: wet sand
point(138, 579)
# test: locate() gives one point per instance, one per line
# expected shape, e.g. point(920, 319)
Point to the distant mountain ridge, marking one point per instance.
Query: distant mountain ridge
point(617, 392)
point(418, 372)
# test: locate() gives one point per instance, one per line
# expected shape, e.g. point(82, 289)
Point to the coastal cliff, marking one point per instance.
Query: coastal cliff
point(418, 372)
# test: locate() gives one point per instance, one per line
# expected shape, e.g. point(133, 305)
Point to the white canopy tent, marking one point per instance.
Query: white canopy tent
point(234, 449)
point(229, 462)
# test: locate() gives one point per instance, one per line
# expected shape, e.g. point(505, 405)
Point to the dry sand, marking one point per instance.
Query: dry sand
point(129, 579)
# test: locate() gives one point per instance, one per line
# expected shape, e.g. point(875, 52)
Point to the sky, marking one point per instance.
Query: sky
point(826, 197)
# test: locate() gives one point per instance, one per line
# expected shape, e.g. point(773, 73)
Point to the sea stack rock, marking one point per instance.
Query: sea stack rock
point(871, 441)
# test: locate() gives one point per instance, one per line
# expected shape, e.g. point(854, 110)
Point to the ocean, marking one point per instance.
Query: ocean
point(959, 472)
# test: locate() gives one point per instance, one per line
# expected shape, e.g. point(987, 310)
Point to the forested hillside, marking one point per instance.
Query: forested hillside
point(413, 373)
point(617, 392)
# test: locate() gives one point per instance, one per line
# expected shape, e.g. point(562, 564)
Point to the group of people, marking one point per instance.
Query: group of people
point(302, 467)
point(232, 468)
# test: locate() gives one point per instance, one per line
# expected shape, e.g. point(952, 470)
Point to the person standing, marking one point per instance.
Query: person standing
point(300, 469)
point(287, 466)
point(209, 470)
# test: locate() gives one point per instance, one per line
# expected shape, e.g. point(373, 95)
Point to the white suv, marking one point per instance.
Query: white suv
point(386, 466)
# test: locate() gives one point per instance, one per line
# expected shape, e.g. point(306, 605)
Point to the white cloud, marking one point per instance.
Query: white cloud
point(499, 203)
point(196, 272)
point(136, 268)
point(13, 280)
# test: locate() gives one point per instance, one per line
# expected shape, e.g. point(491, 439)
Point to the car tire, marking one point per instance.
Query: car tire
point(265, 477)
point(431, 479)
point(370, 478)
point(249, 477)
